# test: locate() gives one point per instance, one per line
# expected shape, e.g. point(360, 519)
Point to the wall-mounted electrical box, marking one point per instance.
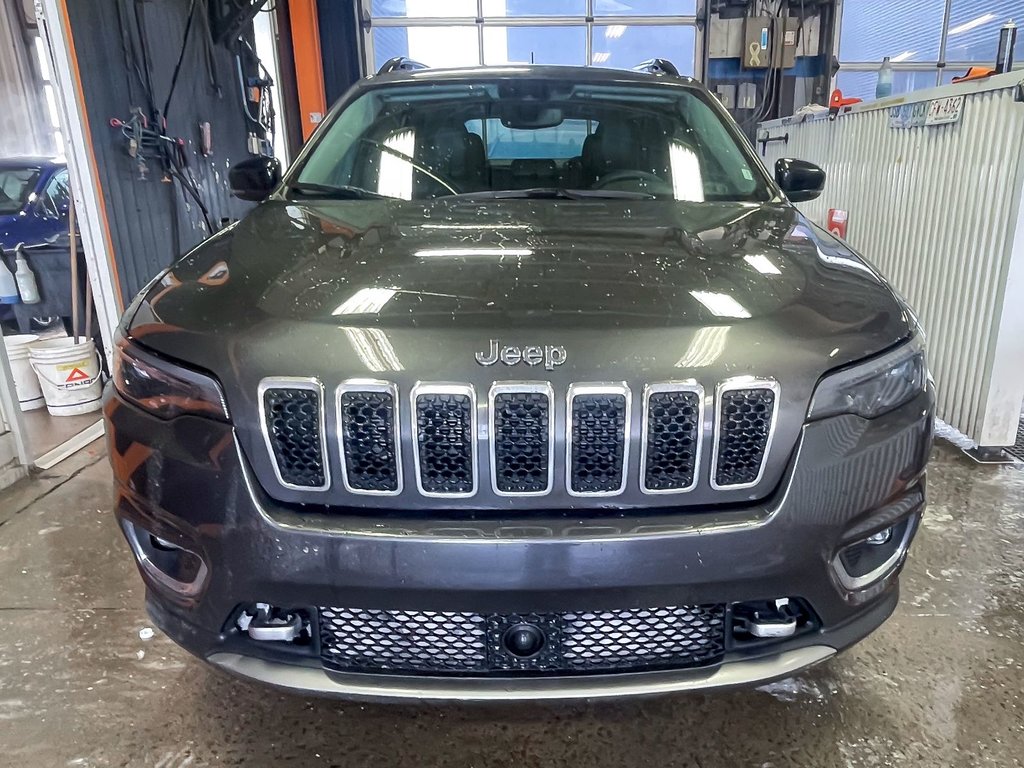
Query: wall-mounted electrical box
point(787, 34)
point(770, 41)
point(758, 32)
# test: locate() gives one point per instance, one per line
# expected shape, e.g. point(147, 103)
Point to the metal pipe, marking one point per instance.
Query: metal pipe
point(73, 248)
point(533, 21)
point(88, 310)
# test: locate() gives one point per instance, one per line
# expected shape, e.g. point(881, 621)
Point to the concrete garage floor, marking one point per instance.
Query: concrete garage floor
point(83, 682)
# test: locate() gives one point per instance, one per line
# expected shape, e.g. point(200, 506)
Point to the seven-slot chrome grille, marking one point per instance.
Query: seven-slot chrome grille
point(521, 436)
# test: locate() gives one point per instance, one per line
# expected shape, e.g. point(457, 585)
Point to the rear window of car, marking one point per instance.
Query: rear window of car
point(559, 142)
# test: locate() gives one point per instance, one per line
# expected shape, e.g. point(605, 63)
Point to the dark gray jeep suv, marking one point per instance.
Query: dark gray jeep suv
point(522, 383)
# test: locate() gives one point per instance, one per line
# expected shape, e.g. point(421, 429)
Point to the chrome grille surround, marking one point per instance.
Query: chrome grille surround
point(691, 386)
point(557, 419)
point(520, 387)
point(620, 389)
point(369, 386)
point(730, 385)
point(463, 390)
point(310, 384)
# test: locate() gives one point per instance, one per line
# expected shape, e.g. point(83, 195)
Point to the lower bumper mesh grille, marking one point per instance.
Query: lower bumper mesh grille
point(366, 640)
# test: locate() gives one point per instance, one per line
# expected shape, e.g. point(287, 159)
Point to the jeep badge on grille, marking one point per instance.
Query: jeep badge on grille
point(551, 356)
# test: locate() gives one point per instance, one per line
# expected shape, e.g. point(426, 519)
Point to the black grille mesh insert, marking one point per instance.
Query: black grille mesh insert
point(369, 640)
point(521, 442)
point(744, 426)
point(672, 440)
point(444, 442)
point(293, 426)
point(368, 441)
point(415, 641)
point(678, 636)
point(598, 442)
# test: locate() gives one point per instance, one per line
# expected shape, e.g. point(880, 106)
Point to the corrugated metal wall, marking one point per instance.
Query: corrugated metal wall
point(150, 221)
point(938, 210)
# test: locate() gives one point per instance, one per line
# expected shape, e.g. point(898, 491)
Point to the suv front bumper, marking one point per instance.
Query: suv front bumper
point(186, 482)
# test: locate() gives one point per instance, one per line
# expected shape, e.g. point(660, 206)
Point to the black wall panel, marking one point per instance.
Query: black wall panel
point(339, 47)
point(150, 222)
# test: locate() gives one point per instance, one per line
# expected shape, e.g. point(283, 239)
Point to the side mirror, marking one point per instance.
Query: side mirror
point(255, 178)
point(799, 179)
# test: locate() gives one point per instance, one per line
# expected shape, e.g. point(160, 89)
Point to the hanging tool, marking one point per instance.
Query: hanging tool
point(838, 102)
point(975, 73)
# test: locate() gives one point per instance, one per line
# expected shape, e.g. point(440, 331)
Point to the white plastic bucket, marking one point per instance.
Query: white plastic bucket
point(26, 383)
point(69, 375)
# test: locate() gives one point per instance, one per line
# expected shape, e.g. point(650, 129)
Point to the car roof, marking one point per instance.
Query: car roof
point(31, 161)
point(533, 71)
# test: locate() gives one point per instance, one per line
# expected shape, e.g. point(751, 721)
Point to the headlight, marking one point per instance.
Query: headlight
point(164, 389)
point(873, 388)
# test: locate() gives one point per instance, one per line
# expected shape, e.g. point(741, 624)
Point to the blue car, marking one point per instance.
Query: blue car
point(34, 200)
point(35, 196)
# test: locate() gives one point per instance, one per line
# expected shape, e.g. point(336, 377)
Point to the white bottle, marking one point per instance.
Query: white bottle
point(25, 278)
point(8, 286)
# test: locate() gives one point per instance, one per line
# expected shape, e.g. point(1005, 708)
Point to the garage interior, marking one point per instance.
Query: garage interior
point(119, 123)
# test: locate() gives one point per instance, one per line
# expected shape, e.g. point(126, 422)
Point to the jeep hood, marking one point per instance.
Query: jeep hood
point(536, 266)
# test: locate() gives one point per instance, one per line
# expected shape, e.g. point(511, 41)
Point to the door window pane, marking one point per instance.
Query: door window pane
point(535, 45)
point(974, 28)
point(861, 85)
point(433, 46)
point(423, 8)
point(645, 8)
point(624, 46)
point(909, 30)
point(58, 195)
point(535, 8)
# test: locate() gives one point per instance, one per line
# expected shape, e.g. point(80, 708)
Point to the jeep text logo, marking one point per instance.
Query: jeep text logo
point(511, 355)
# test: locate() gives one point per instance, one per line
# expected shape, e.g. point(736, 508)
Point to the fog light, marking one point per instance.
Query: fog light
point(880, 538)
point(871, 559)
point(174, 567)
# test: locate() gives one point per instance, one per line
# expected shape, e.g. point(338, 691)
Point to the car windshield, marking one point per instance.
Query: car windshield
point(531, 137)
point(16, 184)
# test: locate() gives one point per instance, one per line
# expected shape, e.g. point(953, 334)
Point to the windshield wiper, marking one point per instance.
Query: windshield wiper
point(331, 192)
point(556, 193)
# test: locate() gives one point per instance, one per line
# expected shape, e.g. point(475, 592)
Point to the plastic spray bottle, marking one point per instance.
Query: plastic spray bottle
point(25, 277)
point(8, 285)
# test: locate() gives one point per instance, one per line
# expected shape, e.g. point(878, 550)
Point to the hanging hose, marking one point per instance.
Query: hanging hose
point(954, 436)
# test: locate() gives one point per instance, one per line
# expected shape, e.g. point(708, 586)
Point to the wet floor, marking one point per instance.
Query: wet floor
point(85, 681)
